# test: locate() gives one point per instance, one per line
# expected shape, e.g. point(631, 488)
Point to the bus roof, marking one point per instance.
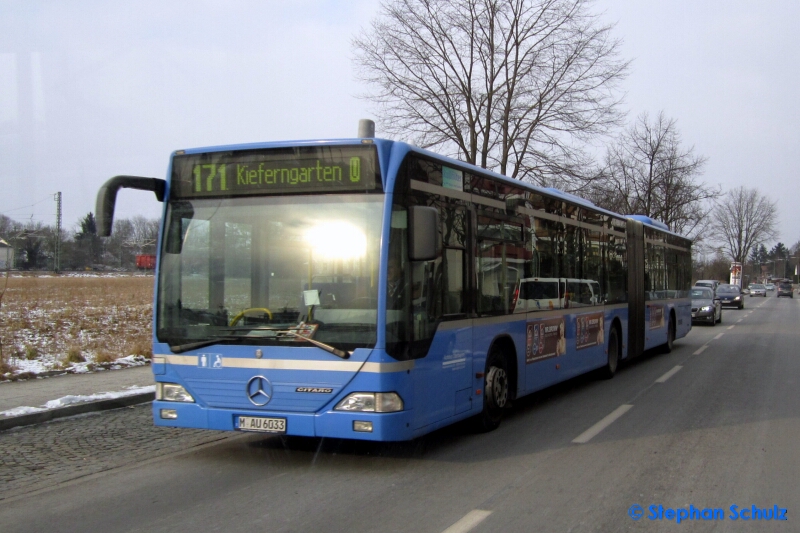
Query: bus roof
point(385, 146)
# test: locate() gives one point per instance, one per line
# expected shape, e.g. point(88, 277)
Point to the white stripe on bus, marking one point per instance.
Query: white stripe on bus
point(293, 364)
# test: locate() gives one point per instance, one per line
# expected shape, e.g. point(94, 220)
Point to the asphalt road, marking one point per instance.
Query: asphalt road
point(714, 424)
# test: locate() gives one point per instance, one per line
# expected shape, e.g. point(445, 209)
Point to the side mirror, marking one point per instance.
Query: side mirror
point(424, 241)
point(107, 197)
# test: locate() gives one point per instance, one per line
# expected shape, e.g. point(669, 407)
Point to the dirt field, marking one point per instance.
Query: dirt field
point(53, 322)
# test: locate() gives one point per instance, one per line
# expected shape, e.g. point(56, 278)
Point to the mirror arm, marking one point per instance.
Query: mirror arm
point(107, 197)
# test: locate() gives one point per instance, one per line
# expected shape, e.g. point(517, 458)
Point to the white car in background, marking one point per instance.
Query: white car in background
point(710, 283)
point(770, 286)
point(541, 294)
point(758, 289)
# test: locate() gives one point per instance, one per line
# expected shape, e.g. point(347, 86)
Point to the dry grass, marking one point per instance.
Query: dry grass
point(63, 319)
point(74, 355)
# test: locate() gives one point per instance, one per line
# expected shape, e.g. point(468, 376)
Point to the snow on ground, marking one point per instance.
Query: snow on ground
point(73, 399)
point(39, 368)
point(43, 366)
point(48, 323)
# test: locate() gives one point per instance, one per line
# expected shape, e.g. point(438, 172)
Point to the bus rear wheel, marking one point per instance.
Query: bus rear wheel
point(612, 363)
point(671, 335)
point(495, 392)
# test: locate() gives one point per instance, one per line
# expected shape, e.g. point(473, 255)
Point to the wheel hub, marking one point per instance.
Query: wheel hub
point(497, 385)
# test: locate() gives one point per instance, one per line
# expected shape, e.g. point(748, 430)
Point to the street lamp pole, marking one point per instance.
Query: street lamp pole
point(766, 275)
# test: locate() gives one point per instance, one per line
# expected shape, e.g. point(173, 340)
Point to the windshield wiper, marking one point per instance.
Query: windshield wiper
point(327, 347)
point(179, 348)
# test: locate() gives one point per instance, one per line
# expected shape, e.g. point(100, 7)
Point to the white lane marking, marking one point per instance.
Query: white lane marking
point(731, 327)
point(739, 320)
point(718, 336)
point(701, 349)
point(590, 433)
point(669, 374)
point(469, 521)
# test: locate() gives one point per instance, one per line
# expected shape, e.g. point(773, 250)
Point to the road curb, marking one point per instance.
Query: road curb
point(75, 409)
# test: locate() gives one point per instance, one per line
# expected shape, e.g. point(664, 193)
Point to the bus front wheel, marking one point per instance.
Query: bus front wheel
point(495, 392)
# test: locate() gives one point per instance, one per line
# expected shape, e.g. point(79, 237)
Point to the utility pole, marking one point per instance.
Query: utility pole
point(57, 258)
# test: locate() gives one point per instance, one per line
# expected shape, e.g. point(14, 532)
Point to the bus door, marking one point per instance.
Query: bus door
point(546, 329)
point(442, 330)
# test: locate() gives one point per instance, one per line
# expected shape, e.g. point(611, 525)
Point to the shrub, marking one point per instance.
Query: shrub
point(140, 348)
point(31, 352)
point(74, 355)
point(104, 356)
point(5, 368)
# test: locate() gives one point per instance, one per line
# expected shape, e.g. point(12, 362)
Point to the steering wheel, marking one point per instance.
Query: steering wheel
point(238, 317)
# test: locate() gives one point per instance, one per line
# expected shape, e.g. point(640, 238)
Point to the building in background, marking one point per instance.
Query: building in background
point(6, 256)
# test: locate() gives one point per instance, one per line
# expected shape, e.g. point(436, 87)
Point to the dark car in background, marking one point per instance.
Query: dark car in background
point(730, 296)
point(705, 306)
point(785, 289)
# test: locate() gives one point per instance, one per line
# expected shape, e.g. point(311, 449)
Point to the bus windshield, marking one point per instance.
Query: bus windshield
point(248, 270)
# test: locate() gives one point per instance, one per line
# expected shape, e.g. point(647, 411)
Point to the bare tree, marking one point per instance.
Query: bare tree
point(648, 172)
point(743, 219)
point(511, 85)
point(145, 234)
point(116, 249)
point(713, 265)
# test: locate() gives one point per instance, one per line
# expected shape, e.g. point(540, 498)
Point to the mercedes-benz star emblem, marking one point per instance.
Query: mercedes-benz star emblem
point(259, 391)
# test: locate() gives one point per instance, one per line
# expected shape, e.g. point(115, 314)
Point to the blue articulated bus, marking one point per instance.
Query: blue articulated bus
point(368, 289)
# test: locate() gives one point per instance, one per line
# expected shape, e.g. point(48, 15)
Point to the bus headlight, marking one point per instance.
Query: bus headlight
point(172, 392)
point(373, 402)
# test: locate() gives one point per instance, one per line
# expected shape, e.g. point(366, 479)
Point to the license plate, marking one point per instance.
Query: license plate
point(265, 425)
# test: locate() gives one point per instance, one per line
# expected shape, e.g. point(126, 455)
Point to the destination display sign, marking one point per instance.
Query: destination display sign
point(275, 171)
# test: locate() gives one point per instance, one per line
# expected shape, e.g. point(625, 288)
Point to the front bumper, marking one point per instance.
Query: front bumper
point(703, 316)
point(335, 424)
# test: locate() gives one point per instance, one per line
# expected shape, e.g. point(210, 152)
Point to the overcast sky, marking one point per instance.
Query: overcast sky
point(94, 88)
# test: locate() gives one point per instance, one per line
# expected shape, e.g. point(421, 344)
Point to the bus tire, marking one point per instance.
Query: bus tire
point(608, 371)
point(671, 335)
point(495, 392)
